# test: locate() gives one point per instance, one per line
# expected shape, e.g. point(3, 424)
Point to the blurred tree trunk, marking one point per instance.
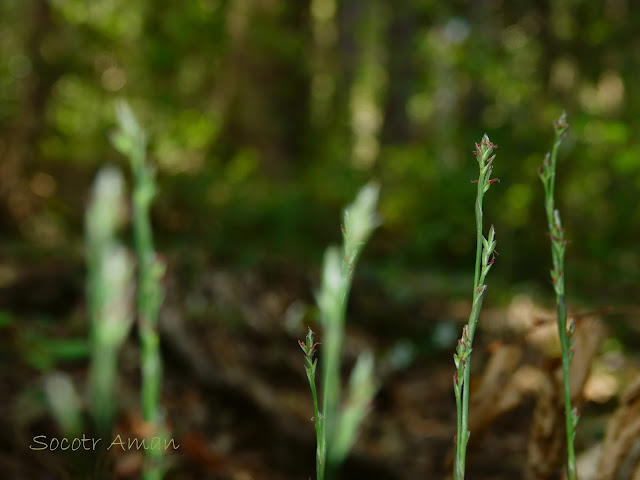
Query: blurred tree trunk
point(266, 86)
point(348, 16)
point(547, 42)
point(400, 39)
point(336, 60)
point(32, 92)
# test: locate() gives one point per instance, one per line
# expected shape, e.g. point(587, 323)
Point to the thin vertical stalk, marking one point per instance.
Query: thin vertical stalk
point(309, 347)
point(558, 246)
point(336, 428)
point(109, 287)
point(484, 260)
point(131, 140)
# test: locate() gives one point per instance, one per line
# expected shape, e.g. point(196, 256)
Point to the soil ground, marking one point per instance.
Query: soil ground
point(235, 392)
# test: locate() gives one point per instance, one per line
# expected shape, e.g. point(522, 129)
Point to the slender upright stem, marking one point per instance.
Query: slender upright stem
point(109, 287)
point(321, 443)
point(334, 333)
point(484, 260)
point(309, 347)
point(558, 245)
point(131, 140)
point(149, 301)
point(336, 429)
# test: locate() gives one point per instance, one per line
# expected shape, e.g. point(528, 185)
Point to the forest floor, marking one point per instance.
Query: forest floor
point(238, 402)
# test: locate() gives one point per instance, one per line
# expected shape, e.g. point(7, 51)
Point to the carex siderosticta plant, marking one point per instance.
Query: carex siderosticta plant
point(485, 256)
point(131, 140)
point(109, 293)
point(547, 174)
point(111, 286)
point(337, 427)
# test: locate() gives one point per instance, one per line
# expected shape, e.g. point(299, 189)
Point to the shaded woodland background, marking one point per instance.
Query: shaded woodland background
point(266, 116)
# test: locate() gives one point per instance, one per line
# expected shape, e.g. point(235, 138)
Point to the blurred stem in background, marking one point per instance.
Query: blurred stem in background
point(558, 246)
point(109, 290)
point(64, 403)
point(131, 141)
point(484, 260)
point(336, 429)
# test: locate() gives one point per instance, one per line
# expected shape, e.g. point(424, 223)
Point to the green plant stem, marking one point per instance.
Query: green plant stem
point(463, 422)
point(131, 140)
point(484, 261)
point(148, 307)
point(149, 301)
point(570, 416)
point(336, 430)
point(103, 375)
point(558, 246)
point(109, 284)
point(331, 370)
point(149, 290)
point(310, 367)
point(334, 319)
point(321, 454)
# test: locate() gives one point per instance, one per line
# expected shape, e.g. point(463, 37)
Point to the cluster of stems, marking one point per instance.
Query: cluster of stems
point(485, 256)
point(336, 429)
point(558, 245)
point(131, 141)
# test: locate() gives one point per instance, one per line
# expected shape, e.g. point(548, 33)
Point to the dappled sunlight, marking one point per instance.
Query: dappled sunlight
point(604, 97)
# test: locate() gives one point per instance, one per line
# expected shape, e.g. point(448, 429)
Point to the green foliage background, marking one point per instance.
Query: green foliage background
point(265, 116)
